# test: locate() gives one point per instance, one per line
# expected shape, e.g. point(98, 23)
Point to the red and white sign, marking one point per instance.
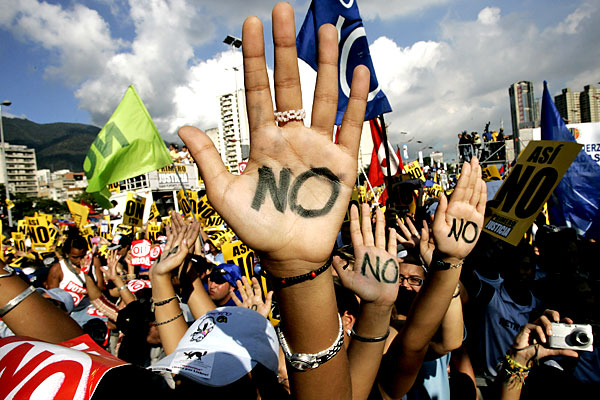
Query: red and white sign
point(242, 166)
point(138, 284)
point(140, 252)
point(37, 370)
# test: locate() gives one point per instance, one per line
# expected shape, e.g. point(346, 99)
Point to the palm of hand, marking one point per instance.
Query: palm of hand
point(459, 231)
point(281, 225)
point(375, 275)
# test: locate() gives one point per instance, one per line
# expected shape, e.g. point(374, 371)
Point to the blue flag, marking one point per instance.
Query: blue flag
point(576, 200)
point(353, 50)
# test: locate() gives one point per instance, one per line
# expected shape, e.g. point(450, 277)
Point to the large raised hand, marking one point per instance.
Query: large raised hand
point(458, 223)
point(297, 181)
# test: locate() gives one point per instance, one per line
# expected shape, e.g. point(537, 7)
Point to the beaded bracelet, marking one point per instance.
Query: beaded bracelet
point(162, 302)
point(369, 340)
point(292, 280)
point(516, 373)
point(169, 320)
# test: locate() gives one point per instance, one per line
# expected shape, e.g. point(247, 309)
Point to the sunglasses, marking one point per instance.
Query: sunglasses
point(217, 276)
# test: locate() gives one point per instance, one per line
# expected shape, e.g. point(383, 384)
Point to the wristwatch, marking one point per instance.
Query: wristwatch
point(304, 361)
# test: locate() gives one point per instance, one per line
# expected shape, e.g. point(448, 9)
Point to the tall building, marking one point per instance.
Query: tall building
point(21, 167)
point(567, 104)
point(522, 108)
point(234, 137)
point(589, 101)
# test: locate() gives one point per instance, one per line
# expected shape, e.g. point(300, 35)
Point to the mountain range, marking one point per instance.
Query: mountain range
point(59, 145)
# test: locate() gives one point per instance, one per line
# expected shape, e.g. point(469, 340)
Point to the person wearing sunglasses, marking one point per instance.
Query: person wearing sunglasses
point(221, 282)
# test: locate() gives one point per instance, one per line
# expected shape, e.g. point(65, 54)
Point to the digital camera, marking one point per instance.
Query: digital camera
point(571, 336)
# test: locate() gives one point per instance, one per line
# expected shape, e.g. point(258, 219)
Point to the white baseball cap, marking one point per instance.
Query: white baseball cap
point(222, 346)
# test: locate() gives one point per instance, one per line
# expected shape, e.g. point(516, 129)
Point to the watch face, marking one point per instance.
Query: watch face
point(440, 265)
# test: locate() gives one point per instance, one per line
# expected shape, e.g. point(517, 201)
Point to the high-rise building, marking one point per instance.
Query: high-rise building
point(589, 102)
point(522, 108)
point(567, 104)
point(234, 137)
point(21, 167)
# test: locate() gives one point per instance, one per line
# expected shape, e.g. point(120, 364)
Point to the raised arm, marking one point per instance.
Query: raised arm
point(290, 201)
point(456, 228)
point(374, 278)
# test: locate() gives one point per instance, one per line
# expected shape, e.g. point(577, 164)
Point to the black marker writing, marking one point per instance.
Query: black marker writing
point(380, 273)
point(462, 231)
point(279, 194)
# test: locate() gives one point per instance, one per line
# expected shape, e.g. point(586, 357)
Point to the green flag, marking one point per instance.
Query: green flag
point(129, 145)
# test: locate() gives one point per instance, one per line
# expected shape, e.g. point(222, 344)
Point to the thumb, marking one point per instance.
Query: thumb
point(213, 171)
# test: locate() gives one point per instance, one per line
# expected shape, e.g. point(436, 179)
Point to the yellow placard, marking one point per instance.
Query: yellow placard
point(490, 173)
point(88, 233)
point(435, 190)
point(204, 211)
point(530, 183)
point(124, 230)
point(239, 254)
point(153, 231)
point(9, 204)
point(79, 213)
point(354, 199)
point(39, 233)
point(414, 170)
point(134, 210)
point(114, 187)
point(19, 240)
point(187, 206)
point(154, 214)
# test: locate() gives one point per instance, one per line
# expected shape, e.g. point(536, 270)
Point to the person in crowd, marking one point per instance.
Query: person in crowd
point(174, 152)
point(222, 282)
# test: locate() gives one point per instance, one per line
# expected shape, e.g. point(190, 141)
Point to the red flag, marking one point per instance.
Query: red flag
point(378, 167)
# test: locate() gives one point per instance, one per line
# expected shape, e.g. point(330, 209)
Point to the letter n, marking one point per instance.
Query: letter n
point(266, 182)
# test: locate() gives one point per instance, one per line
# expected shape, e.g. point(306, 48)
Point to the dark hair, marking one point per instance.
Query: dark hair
point(74, 241)
point(345, 298)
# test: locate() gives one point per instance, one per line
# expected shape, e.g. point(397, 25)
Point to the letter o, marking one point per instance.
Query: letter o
point(384, 268)
point(314, 172)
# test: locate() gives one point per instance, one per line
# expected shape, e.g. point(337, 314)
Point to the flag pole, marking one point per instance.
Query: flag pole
point(384, 141)
point(369, 183)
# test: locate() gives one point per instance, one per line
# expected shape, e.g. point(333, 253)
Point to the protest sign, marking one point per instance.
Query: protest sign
point(154, 214)
point(140, 252)
point(354, 199)
point(239, 254)
point(187, 206)
point(19, 240)
point(134, 210)
point(153, 231)
point(39, 233)
point(414, 170)
point(531, 181)
point(79, 213)
point(490, 173)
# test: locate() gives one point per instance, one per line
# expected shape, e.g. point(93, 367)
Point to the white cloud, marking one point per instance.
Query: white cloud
point(439, 88)
point(386, 9)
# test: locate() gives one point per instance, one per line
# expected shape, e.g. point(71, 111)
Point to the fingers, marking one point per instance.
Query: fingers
point(460, 190)
point(256, 290)
point(425, 233)
point(379, 229)
point(268, 301)
point(355, 111)
point(234, 297)
point(326, 90)
point(412, 228)
point(256, 81)
point(288, 95)
point(482, 199)
point(392, 247)
point(367, 230)
point(474, 177)
point(355, 233)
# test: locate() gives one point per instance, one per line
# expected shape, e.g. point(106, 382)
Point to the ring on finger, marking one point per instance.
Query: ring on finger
point(289, 115)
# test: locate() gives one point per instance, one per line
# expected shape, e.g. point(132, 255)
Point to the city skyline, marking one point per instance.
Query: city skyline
point(444, 65)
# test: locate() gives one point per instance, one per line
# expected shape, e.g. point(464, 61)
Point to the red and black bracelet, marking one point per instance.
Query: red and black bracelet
point(285, 281)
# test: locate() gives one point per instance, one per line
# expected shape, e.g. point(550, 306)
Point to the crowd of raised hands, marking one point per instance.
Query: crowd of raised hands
point(288, 206)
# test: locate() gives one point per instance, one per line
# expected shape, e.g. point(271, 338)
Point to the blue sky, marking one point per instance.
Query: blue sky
point(445, 65)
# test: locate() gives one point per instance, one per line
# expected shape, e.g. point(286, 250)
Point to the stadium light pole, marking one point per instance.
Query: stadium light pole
point(10, 222)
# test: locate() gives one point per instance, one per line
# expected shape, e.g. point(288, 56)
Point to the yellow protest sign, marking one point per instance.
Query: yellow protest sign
point(19, 240)
point(204, 210)
point(153, 231)
point(88, 233)
point(103, 250)
point(124, 230)
point(528, 186)
point(414, 170)
point(105, 230)
point(240, 254)
point(154, 214)
point(9, 204)
point(79, 213)
point(166, 220)
point(48, 217)
point(114, 187)
point(39, 233)
point(490, 173)
point(134, 210)
point(435, 190)
point(187, 206)
point(22, 226)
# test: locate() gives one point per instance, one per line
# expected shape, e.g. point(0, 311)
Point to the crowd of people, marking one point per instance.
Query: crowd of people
point(427, 307)
point(489, 146)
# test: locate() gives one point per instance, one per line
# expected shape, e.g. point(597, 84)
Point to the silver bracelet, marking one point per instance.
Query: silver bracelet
point(10, 270)
point(16, 301)
point(304, 361)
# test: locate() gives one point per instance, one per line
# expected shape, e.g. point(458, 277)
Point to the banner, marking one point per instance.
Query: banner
point(353, 50)
point(524, 192)
point(187, 206)
point(19, 240)
point(129, 145)
point(134, 210)
point(239, 254)
point(79, 213)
